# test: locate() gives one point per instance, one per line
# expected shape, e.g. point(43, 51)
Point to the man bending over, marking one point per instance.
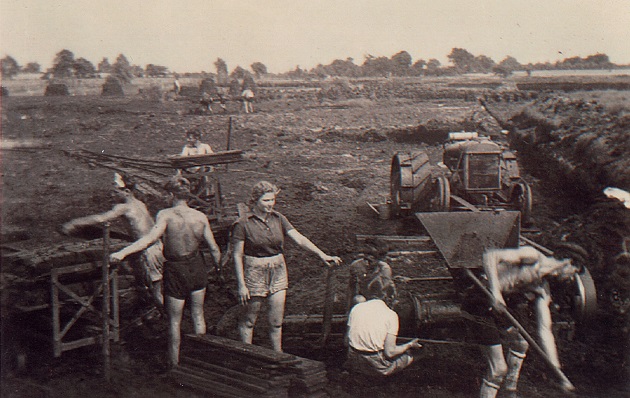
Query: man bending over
point(148, 269)
point(522, 270)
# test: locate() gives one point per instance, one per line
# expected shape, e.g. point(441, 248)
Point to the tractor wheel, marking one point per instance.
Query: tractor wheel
point(522, 200)
point(441, 200)
point(580, 293)
point(395, 187)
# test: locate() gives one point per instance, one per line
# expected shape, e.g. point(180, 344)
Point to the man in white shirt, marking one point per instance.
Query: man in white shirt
point(372, 332)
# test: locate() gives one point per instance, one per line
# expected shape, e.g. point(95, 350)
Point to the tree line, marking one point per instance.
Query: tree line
point(65, 65)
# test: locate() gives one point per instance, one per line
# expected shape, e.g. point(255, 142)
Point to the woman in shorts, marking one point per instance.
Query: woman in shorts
point(261, 272)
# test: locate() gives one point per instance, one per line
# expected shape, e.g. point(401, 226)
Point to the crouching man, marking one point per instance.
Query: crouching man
point(372, 331)
point(521, 274)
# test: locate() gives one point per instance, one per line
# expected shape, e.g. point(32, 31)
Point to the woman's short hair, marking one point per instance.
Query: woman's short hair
point(261, 188)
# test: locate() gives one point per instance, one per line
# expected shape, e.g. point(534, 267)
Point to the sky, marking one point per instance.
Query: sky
point(189, 36)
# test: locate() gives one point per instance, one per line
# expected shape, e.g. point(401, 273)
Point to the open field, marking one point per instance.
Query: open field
point(330, 158)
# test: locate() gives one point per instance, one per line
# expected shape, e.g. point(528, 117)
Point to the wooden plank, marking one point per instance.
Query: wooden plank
point(183, 162)
point(251, 350)
point(231, 374)
point(395, 239)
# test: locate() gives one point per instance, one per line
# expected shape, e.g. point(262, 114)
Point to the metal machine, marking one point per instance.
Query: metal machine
point(474, 171)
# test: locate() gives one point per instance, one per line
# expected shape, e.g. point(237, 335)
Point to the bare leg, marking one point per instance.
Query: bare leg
point(174, 310)
point(497, 368)
point(248, 320)
point(516, 356)
point(276, 315)
point(158, 296)
point(196, 309)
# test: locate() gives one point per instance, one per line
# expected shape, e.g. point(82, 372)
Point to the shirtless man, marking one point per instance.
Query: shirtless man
point(148, 269)
point(194, 146)
point(522, 270)
point(183, 230)
point(367, 269)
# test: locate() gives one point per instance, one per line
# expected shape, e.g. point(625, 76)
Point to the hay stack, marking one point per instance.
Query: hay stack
point(57, 89)
point(208, 86)
point(152, 93)
point(112, 87)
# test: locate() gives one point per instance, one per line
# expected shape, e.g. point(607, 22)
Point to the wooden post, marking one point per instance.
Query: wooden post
point(229, 138)
point(328, 306)
point(106, 298)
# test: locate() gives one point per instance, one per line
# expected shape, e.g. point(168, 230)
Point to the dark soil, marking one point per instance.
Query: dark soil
point(329, 161)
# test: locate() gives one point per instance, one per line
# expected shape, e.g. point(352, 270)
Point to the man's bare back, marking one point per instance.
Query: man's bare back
point(185, 230)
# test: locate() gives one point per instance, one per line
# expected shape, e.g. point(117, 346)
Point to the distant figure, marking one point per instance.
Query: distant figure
point(194, 146)
point(372, 333)
point(148, 266)
point(248, 100)
point(183, 230)
point(206, 102)
point(176, 86)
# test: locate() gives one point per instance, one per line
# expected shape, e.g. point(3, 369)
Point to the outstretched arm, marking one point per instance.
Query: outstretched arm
point(305, 243)
point(147, 240)
point(490, 267)
point(391, 350)
point(212, 244)
point(115, 212)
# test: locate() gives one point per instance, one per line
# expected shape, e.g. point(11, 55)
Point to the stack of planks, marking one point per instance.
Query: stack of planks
point(227, 368)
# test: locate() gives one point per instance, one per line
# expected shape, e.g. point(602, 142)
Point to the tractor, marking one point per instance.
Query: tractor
point(475, 172)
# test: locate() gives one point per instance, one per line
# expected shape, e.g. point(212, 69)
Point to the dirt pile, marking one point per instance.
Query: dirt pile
point(580, 148)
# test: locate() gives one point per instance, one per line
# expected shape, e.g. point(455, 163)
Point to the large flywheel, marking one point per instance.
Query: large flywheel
point(410, 181)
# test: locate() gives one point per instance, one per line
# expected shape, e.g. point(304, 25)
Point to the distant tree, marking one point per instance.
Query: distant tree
point(259, 69)
point(238, 73)
point(152, 70)
point(462, 60)
point(433, 67)
point(235, 88)
point(506, 67)
point(222, 71)
point(337, 68)
point(249, 83)
point(400, 63)
point(137, 71)
point(320, 71)
point(598, 61)
point(418, 67)
point(483, 64)
point(122, 70)
point(373, 66)
point(32, 67)
point(104, 66)
point(83, 68)
point(10, 67)
point(297, 73)
point(63, 65)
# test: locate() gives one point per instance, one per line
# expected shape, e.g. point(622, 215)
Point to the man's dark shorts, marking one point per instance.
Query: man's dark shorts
point(184, 276)
point(485, 326)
